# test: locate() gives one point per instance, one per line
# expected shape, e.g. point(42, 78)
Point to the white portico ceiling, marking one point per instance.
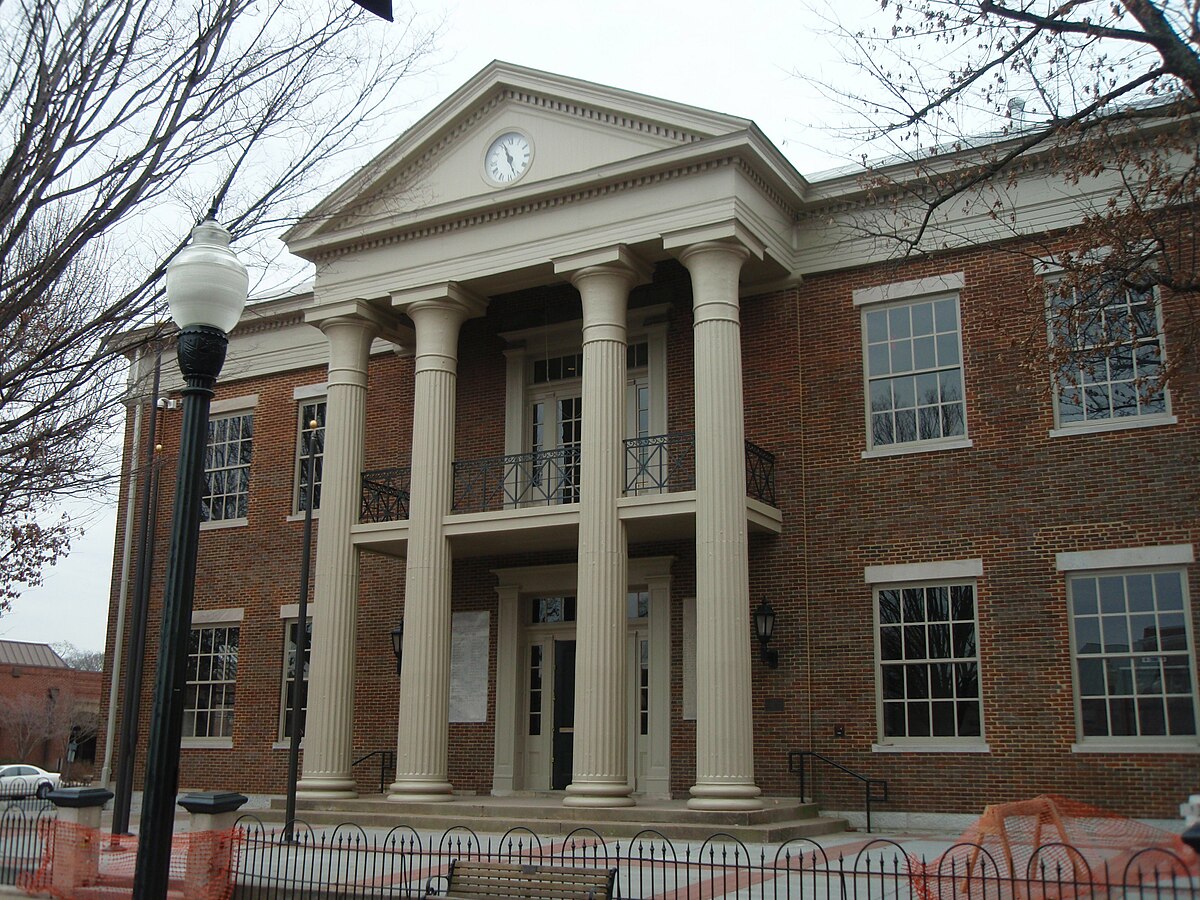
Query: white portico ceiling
point(608, 167)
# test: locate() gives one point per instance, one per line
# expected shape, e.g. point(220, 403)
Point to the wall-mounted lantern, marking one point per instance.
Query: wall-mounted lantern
point(764, 629)
point(398, 644)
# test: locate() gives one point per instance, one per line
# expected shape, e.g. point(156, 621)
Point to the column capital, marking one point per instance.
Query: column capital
point(728, 234)
point(615, 260)
point(446, 295)
point(382, 323)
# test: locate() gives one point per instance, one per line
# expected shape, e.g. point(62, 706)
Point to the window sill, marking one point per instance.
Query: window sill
point(299, 517)
point(218, 524)
point(1113, 425)
point(1144, 746)
point(932, 747)
point(906, 449)
point(195, 743)
point(286, 745)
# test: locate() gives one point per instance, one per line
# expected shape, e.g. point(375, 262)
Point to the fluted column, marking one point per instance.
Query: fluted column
point(328, 731)
point(423, 734)
point(724, 723)
point(600, 776)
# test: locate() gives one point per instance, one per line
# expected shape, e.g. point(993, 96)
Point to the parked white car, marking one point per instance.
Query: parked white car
point(27, 781)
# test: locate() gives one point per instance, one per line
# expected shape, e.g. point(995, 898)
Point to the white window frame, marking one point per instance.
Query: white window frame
point(1153, 560)
point(948, 573)
point(646, 325)
point(225, 409)
point(909, 293)
point(1052, 273)
point(289, 617)
point(304, 398)
point(209, 619)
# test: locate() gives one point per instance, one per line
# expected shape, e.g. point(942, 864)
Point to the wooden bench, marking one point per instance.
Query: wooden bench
point(476, 878)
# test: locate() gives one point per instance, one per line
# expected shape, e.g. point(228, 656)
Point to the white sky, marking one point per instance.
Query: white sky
point(735, 58)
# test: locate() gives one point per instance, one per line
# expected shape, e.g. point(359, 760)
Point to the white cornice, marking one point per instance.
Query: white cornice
point(499, 82)
point(748, 150)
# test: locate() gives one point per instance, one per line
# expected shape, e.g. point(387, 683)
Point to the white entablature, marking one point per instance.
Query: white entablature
point(603, 167)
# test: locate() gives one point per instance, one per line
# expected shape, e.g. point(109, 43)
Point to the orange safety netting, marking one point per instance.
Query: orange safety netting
point(1053, 846)
point(79, 863)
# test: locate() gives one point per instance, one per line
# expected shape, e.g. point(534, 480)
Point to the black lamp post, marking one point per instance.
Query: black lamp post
point(398, 644)
point(301, 634)
point(206, 292)
point(764, 629)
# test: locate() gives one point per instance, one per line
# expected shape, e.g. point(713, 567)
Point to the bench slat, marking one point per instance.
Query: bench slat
point(477, 878)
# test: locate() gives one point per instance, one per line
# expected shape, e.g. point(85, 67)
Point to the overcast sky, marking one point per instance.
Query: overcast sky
point(737, 58)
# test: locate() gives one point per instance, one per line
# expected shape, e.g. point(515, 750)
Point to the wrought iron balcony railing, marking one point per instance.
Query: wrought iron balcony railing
point(541, 478)
point(384, 495)
point(760, 474)
point(660, 464)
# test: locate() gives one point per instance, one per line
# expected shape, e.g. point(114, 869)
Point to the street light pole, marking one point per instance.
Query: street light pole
point(301, 636)
point(206, 292)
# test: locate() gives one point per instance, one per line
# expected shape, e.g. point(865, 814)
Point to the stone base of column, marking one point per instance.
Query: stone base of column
point(725, 795)
point(330, 788)
point(599, 794)
point(419, 790)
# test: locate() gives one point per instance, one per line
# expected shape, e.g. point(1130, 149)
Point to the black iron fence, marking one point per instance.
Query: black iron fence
point(22, 837)
point(350, 862)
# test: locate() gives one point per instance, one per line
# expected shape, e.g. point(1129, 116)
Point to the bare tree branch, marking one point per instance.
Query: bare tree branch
point(120, 121)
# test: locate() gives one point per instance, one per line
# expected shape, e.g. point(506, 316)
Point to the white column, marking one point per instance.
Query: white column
point(724, 721)
point(600, 776)
point(328, 732)
point(423, 733)
point(505, 758)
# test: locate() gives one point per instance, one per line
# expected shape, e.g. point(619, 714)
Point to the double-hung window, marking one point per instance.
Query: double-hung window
point(212, 666)
point(227, 468)
point(288, 690)
point(912, 358)
point(928, 649)
point(1106, 343)
point(310, 437)
point(1134, 657)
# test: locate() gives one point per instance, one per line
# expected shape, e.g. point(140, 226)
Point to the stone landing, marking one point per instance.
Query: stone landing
point(779, 820)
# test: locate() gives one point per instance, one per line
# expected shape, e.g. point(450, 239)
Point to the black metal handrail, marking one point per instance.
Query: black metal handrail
point(540, 478)
point(868, 783)
point(760, 473)
point(385, 495)
point(657, 464)
point(387, 762)
point(660, 463)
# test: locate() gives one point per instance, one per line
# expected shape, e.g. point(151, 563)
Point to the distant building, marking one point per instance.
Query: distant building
point(44, 705)
point(594, 375)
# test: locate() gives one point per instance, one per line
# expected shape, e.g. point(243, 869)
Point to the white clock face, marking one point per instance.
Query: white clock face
point(508, 158)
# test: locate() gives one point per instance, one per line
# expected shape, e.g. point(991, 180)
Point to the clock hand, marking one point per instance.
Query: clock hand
point(511, 165)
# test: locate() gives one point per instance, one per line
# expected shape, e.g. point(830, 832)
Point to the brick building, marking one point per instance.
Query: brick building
point(597, 375)
point(44, 705)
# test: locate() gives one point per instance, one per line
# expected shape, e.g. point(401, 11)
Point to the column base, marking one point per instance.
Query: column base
point(725, 796)
point(599, 794)
point(326, 788)
point(417, 790)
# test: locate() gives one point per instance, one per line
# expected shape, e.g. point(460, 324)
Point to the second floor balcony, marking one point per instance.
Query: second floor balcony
point(531, 500)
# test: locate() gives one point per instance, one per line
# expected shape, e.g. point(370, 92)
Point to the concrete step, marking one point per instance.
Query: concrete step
point(778, 821)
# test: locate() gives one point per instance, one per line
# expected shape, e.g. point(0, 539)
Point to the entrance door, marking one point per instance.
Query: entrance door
point(563, 744)
point(556, 421)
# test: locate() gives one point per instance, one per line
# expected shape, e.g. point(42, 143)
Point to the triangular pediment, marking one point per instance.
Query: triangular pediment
point(571, 126)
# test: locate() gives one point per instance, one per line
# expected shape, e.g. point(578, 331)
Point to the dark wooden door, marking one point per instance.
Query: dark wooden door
point(564, 715)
